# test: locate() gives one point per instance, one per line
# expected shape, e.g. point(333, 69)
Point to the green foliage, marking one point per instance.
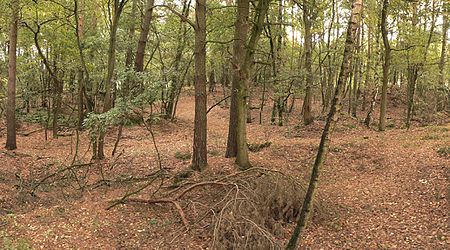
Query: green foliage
point(256, 147)
point(184, 156)
point(98, 123)
point(17, 244)
point(430, 137)
point(39, 117)
point(444, 151)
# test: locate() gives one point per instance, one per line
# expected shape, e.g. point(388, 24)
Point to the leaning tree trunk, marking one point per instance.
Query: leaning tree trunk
point(12, 63)
point(332, 118)
point(386, 66)
point(199, 158)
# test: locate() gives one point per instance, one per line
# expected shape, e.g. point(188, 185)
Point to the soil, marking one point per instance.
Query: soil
point(386, 190)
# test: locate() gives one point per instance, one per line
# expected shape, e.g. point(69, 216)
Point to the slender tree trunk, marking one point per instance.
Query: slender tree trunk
point(278, 58)
point(412, 80)
point(307, 113)
point(413, 72)
point(12, 63)
point(175, 88)
point(445, 26)
point(118, 8)
point(331, 60)
point(83, 73)
point(371, 107)
point(332, 118)
point(58, 87)
point(140, 52)
point(368, 66)
point(386, 65)
point(199, 159)
point(357, 73)
point(129, 55)
point(53, 75)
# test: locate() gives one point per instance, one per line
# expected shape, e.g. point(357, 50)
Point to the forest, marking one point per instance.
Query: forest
point(221, 124)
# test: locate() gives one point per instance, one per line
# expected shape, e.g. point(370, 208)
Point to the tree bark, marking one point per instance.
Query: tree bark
point(332, 119)
point(129, 55)
point(242, 62)
point(12, 63)
point(413, 71)
point(307, 113)
point(140, 51)
point(118, 8)
point(331, 60)
point(176, 79)
point(357, 75)
point(445, 26)
point(199, 159)
point(386, 66)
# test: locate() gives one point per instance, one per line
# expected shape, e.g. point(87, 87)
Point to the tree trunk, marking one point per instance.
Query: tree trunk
point(413, 72)
point(412, 80)
point(386, 66)
point(368, 67)
point(129, 55)
point(57, 100)
point(307, 114)
point(357, 74)
point(242, 66)
point(199, 159)
point(332, 118)
point(12, 63)
point(118, 8)
point(371, 108)
point(330, 86)
point(445, 13)
point(140, 51)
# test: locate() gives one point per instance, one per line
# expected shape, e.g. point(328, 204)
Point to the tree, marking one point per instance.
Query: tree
point(117, 12)
point(414, 66)
point(12, 63)
point(445, 13)
point(386, 65)
point(145, 28)
point(243, 54)
point(199, 158)
point(330, 124)
point(307, 102)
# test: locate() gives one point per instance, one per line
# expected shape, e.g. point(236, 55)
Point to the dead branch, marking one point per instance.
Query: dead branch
point(69, 168)
point(175, 203)
point(30, 132)
point(124, 198)
point(217, 103)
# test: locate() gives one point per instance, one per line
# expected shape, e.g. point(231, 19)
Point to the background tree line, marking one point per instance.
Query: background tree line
point(90, 64)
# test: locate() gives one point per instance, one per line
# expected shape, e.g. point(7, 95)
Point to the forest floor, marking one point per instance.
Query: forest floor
point(385, 190)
